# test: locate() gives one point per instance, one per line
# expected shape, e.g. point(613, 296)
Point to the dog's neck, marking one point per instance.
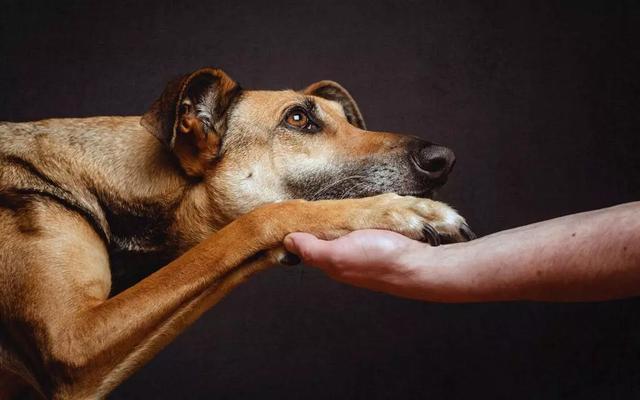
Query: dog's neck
point(126, 182)
point(148, 199)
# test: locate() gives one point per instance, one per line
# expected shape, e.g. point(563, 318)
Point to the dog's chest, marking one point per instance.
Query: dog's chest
point(138, 242)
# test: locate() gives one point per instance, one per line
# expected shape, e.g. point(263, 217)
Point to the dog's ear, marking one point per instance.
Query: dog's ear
point(190, 117)
point(334, 91)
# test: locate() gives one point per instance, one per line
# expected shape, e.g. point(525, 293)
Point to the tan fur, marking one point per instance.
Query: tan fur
point(221, 193)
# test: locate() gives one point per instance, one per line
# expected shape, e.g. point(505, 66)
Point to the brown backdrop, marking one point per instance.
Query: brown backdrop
point(539, 100)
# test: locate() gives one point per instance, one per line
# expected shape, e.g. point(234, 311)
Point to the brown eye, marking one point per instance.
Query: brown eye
point(298, 119)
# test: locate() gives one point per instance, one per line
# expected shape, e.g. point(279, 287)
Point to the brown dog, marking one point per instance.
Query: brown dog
point(90, 206)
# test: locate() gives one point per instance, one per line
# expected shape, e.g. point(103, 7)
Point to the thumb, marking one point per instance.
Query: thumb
point(309, 248)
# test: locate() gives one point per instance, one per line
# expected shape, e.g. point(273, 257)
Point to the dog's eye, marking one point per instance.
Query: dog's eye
point(299, 119)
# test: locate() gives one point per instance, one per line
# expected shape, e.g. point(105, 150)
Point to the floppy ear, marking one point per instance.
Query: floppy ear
point(333, 91)
point(189, 117)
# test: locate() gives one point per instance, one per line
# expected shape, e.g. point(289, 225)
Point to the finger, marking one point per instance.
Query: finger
point(312, 250)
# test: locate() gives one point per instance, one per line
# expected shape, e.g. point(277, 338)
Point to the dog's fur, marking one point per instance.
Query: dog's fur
point(207, 188)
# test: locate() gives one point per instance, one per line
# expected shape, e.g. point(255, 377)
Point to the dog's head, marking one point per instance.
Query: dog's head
point(256, 147)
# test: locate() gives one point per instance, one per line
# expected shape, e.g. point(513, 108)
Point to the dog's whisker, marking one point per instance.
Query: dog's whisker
point(333, 184)
point(329, 186)
point(352, 189)
point(347, 192)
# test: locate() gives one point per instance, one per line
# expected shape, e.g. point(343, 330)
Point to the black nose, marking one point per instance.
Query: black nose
point(433, 161)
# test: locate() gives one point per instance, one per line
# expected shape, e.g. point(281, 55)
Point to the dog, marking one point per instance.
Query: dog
point(118, 232)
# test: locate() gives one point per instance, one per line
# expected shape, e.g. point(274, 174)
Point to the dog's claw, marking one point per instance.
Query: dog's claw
point(289, 259)
point(431, 235)
point(466, 232)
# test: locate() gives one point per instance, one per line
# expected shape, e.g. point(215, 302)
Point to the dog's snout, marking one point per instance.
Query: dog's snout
point(433, 161)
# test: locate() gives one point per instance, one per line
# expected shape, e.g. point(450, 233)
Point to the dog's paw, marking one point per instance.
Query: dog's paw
point(420, 219)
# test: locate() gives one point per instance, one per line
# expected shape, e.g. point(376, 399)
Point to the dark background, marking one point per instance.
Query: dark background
point(540, 101)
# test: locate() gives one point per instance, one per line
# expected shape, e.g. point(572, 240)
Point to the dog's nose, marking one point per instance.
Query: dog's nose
point(433, 161)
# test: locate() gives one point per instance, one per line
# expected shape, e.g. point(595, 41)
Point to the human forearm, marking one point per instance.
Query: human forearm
point(581, 257)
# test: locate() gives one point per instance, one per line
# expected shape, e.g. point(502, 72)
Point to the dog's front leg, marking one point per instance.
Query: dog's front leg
point(87, 345)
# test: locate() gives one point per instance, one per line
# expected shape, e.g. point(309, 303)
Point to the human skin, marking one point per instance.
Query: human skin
point(589, 256)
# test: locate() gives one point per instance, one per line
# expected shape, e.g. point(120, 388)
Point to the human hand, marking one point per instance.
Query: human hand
point(563, 259)
point(378, 260)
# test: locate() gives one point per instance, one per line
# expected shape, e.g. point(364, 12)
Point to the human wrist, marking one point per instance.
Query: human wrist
point(441, 274)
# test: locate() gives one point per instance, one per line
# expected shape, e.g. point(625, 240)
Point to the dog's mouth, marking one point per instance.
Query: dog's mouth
point(398, 176)
point(358, 186)
point(425, 194)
